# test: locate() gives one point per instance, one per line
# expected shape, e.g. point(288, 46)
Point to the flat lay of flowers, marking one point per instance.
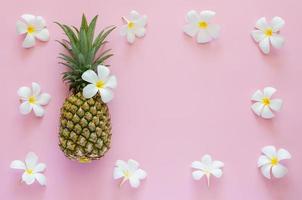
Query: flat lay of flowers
point(151, 100)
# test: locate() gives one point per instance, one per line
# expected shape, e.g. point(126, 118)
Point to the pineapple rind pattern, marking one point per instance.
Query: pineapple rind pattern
point(85, 128)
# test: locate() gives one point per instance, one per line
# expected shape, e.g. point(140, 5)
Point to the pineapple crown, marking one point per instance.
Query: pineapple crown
point(82, 48)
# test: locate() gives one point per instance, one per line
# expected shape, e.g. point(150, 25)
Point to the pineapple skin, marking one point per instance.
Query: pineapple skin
point(85, 128)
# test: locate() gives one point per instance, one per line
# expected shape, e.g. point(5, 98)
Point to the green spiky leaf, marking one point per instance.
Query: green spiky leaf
point(82, 48)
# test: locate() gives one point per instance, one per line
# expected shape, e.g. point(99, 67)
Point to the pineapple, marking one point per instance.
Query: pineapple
point(85, 126)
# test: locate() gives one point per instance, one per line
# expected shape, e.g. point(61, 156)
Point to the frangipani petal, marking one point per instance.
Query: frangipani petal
point(134, 15)
point(89, 91)
point(266, 169)
point(123, 30)
point(111, 82)
point(262, 24)
point(213, 30)
point(25, 108)
point(117, 173)
point(257, 108)
point(29, 19)
point(121, 164)
point(207, 15)
point(207, 159)
point(106, 95)
point(258, 35)
point(40, 23)
point(277, 23)
point(279, 171)
point(276, 104)
point(44, 99)
point(31, 160)
point(197, 165)
point(36, 89)
point(134, 182)
point(269, 151)
point(192, 16)
point(24, 92)
point(264, 45)
point(216, 172)
point(90, 76)
point(133, 165)
point(17, 164)
point(217, 164)
point(21, 27)
point(140, 174)
point(131, 37)
point(283, 154)
point(140, 32)
point(103, 72)
point(203, 36)
point(142, 22)
point(257, 96)
point(40, 178)
point(38, 110)
point(267, 113)
point(197, 175)
point(29, 41)
point(28, 178)
point(277, 41)
point(190, 29)
point(263, 160)
point(43, 35)
point(39, 167)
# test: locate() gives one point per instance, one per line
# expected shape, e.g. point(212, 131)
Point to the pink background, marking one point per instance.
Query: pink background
point(176, 101)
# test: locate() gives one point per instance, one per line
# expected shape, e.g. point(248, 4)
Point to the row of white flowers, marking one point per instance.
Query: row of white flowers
point(198, 25)
point(268, 162)
point(103, 83)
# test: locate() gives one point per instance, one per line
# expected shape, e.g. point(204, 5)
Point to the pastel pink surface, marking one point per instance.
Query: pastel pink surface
point(176, 100)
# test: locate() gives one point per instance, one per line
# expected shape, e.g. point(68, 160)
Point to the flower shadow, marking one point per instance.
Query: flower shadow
point(202, 191)
point(274, 58)
point(267, 124)
point(277, 188)
point(20, 189)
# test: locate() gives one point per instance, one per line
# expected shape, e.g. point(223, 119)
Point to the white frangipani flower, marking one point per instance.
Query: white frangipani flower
point(270, 161)
point(207, 167)
point(135, 26)
point(33, 27)
point(32, 169)
point(264, 104)
point(32, 100)
point(199, 24)
point(101, 82)
point(129, 171)
point(268, 33)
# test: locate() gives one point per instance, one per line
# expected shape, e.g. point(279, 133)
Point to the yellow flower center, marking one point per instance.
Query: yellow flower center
point(29, 171)
point(266, 101)
point(202, 24)
point(127, 174)
point(31, 29)
point(100, 84)
point(268, 32)
point(274, 161)
point(32, 100)
point(131, 25)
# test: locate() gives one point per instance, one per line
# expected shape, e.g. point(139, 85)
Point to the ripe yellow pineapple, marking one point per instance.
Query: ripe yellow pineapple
point(85, 126)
